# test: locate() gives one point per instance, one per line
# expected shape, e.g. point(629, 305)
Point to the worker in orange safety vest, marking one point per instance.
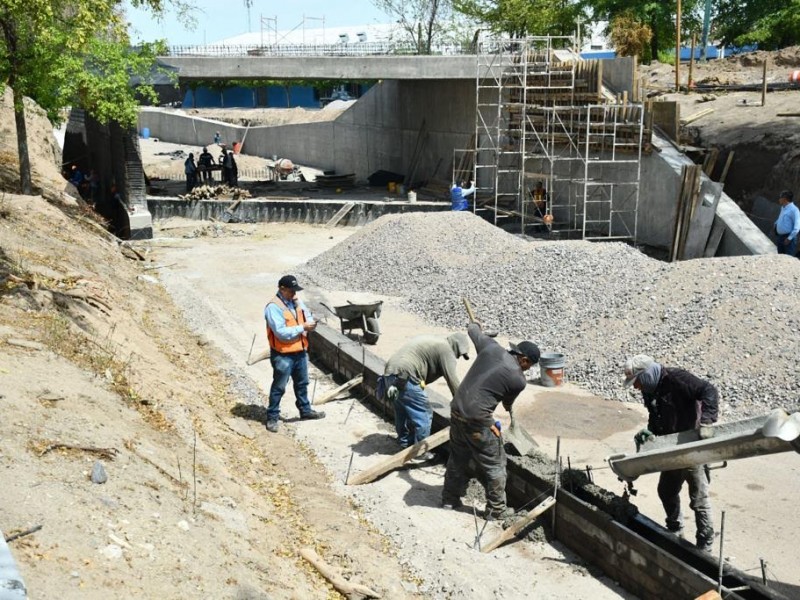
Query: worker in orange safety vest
point(288, 324)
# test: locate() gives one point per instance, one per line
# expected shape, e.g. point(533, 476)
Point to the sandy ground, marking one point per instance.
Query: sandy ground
point(404, 504)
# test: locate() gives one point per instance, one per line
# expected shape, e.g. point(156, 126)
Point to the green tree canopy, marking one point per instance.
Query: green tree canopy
point(519, 18)
point(770, 23)
point(64, 52)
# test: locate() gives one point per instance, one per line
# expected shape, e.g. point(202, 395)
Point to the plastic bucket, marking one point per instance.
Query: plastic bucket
point(552, 367)
point(412, 196)
point(392, 187)
point(145, 132)
point(794, 76)
point(237, 146)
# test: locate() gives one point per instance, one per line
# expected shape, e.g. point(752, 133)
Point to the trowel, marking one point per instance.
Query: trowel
point(517, 436)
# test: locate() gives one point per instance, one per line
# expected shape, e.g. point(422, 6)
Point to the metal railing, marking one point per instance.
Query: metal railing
point(354, 49)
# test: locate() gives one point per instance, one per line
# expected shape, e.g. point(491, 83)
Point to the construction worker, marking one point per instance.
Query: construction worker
point(204, 162)
point(496, 376)
point(787, 226)
point(676, 401)
point(459, 195)
point(288, 323)
point(539, 199)
point(421, 361)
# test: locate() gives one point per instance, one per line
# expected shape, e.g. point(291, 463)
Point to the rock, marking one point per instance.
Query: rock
point(99, 473)
point(183, 525)
point(112, 551)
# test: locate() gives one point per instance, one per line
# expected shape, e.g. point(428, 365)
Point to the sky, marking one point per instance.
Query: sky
point(220, 19)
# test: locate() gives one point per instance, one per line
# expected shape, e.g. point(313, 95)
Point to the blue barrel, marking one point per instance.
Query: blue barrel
point(145, 132)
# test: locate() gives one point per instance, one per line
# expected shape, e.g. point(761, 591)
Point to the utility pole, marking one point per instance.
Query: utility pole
point(706, 27)
point(678, 48)
point(578, 21)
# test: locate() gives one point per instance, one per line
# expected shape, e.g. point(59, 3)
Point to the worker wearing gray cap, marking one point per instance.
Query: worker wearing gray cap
point(421, 361)
point(676, 400)
point(497, 376)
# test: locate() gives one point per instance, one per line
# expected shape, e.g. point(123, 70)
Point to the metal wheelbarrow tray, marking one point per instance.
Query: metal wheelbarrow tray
point(359, 316)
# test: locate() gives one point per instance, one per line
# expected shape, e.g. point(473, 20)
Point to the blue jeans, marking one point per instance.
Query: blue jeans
point(790, 248)
point(284, 366)
point(412, 415)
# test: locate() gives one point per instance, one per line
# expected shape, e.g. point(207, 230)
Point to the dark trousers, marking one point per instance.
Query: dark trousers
point(479, 443)
point(669, 490)
point(784, 248)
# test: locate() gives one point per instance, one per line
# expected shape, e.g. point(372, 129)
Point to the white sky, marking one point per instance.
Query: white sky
point(220, 19)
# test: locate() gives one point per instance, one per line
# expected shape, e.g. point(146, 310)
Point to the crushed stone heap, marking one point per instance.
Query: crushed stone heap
point(735, 321)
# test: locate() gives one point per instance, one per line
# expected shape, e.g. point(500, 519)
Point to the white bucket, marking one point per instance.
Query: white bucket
point(412, 196)
point(552, 368)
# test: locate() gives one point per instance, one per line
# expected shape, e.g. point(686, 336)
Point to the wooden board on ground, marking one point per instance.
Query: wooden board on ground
point(519, 525)
point(401, 458)
point(340, 390)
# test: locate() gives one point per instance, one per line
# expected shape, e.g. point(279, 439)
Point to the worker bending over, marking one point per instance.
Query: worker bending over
point(421, 361)
point(496, 376)
point(676, 401)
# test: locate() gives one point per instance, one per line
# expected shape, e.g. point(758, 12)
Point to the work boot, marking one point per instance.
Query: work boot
point(451, 504)
point(499, 515)
point(705, 545)
point(312, 414)
point(423, 458)
point(272, 425)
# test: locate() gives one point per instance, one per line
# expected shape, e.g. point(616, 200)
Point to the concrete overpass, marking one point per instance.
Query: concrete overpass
point(325, 67)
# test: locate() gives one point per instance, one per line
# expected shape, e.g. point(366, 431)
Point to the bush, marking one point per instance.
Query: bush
point(629, 35)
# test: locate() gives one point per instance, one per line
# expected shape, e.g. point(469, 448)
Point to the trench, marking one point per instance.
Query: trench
point(604, 529)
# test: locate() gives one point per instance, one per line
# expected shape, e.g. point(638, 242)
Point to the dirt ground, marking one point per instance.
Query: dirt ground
point(766, 159)
point(590, 428)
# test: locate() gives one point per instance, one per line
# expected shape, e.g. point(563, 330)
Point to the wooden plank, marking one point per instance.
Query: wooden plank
point(340, 390)
point(347, 588)
point(710, 161)
point(519, 525)
point(714, 238)
point(698, 115)
point(401, 458)
point(726, 167)
point(340, 214)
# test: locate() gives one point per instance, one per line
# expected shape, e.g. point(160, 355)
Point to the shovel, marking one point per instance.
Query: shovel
point(517, 436)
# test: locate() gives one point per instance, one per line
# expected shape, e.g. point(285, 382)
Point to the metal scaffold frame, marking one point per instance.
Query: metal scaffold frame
point(543, 114)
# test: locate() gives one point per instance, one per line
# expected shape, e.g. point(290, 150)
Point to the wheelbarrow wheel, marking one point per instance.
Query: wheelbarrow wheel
point(373, 331)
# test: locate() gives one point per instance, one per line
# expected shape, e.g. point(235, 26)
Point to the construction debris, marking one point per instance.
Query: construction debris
point(206, 192)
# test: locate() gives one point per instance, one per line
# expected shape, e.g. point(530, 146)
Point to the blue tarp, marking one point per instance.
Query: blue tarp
point(714, 52)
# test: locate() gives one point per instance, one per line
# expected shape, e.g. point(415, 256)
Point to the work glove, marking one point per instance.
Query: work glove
point(705, 432)
point(392, 393)
point(643, 436)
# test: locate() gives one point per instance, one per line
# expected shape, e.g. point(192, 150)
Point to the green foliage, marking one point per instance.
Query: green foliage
point(667, 57)
point(629, 35)
point(770, 23)
point(519, 18)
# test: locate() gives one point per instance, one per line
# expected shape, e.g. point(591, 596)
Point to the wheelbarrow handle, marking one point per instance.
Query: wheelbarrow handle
point(330, 309)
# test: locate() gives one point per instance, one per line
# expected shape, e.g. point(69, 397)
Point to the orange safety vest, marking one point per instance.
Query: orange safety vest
point(298, 345)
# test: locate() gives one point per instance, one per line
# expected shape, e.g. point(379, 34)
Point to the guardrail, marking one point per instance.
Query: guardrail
point(354, 49)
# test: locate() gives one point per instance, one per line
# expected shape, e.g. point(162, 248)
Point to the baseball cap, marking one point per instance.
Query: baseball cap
point(527, 349)
point(289, 281)
point(636, 366)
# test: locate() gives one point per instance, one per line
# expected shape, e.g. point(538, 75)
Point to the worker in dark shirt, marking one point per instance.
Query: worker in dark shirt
point(497, 376)
point(676, 400)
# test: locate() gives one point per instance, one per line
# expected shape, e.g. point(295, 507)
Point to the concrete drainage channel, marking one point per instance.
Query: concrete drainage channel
point(263, 210)
point(604, 529)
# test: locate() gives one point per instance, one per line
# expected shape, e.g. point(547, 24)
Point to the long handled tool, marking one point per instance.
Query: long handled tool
point(517, 435)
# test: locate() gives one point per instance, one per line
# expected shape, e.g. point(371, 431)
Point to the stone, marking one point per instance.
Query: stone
point(99, 473)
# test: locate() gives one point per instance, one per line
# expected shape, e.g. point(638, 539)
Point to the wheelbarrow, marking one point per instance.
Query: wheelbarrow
point(359, 316)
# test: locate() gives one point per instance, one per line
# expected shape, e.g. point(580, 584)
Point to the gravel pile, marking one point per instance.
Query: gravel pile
point(734, 321)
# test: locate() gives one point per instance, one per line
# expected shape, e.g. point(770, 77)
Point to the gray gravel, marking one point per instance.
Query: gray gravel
point(734, 320)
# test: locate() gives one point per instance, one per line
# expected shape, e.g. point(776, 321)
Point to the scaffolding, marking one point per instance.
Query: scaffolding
point(543, 115)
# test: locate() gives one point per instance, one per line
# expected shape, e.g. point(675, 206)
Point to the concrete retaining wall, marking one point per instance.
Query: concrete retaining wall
point(619, 75)
point(380, 131)
point(316, 212)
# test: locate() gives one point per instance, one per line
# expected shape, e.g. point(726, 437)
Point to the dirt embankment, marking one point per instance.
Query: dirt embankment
point(765, 146)
point(97, 366)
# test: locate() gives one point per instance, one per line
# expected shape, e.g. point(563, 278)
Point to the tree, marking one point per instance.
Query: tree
point(519, 18)
point(423, 21)
point(60, 52)
point(659, 15)
point(629, 35)
point(771, 24)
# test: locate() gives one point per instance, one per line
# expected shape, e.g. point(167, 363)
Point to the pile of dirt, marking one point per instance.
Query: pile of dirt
point(272, 116)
